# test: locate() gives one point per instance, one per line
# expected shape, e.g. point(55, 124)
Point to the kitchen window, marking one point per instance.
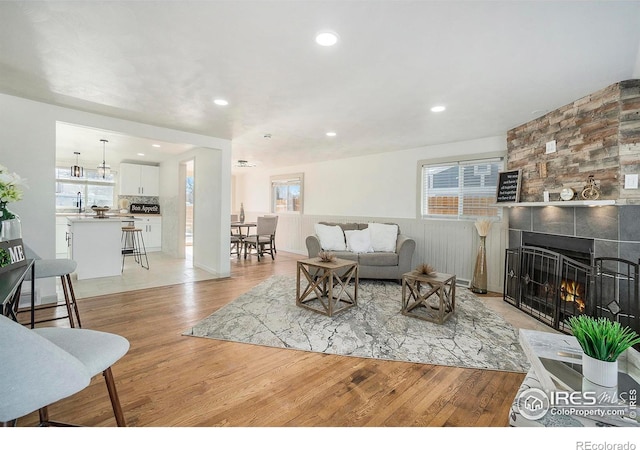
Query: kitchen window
point(92, 189)
point(287, 193)
point(461, 189)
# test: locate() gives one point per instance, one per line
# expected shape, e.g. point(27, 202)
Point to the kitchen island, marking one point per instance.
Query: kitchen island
point(95, 246)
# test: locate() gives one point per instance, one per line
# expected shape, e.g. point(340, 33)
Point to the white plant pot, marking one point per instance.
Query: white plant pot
point(602, 373)
point(603, 393)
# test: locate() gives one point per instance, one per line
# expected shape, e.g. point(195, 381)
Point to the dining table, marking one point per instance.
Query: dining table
point(240, 225)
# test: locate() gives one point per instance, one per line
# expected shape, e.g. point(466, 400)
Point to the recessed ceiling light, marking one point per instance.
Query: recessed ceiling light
point(142, 154)
point(326, 38)
point(155, 145)
point(438, 108)
point(331, 133)
point(221, 102)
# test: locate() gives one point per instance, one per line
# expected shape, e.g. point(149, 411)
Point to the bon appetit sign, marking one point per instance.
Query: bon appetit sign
point(143, 208)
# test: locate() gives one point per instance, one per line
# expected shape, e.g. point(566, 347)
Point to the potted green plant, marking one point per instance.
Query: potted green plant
point(602, 342)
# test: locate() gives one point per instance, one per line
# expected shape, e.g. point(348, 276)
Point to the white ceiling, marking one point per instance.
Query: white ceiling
point(494, 64)
point(72, 138)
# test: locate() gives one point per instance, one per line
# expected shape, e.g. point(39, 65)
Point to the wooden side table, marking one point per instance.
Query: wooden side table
point(431, 298)
point(329, 281)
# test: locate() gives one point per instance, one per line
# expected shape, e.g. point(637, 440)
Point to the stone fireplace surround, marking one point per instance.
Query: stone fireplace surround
point(598, 135)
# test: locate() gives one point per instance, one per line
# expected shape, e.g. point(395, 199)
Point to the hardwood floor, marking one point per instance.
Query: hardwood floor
point(170, 380)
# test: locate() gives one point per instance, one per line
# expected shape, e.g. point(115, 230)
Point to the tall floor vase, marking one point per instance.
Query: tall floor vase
point(479, 281)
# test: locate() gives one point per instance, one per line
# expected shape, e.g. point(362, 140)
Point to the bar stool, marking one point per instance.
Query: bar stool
point(133, 245)
point(63, 268)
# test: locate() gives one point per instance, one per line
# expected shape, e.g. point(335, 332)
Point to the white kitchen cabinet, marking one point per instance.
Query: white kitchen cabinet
point(151, 232)
point(62, 241)
point(139, 179)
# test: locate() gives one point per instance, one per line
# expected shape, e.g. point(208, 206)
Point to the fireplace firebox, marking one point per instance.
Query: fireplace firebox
point(553, 278)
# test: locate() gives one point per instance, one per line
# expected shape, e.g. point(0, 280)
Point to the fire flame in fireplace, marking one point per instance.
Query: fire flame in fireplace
point(572, 291)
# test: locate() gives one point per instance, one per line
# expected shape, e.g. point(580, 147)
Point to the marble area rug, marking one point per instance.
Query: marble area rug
point(474, 337)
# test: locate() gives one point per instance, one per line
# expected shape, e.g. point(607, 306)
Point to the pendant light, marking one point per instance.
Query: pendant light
point(103, 169)
point(77, 171)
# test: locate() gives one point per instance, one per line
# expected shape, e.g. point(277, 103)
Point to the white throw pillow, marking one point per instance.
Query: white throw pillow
point(383, 237)
point(331, 237)
point(358, 241)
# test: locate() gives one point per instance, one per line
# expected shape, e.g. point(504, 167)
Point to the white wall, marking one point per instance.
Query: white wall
point(381, 187)
point(28, 145)
point(212, 195)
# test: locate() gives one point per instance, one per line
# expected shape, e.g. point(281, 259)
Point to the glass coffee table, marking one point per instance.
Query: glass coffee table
point(556, 360)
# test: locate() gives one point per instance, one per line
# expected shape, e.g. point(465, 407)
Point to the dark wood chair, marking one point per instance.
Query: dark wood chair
point(236, 245)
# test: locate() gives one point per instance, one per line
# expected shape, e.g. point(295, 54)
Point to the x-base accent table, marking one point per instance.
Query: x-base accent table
point(436, 303)
point(329, 281)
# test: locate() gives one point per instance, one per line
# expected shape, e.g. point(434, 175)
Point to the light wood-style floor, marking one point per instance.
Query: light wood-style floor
point(170, 380)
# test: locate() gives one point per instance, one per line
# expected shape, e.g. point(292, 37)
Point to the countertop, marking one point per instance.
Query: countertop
point(94, 219)
point(91, 215)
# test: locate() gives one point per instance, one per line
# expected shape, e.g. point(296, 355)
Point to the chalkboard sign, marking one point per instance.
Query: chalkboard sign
point(12, 255)
point(508, 186)
point(144, 208)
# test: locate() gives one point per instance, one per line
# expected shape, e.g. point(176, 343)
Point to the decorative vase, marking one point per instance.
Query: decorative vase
point(10, 226)
point(602, 373)
point(241, 213)
point(479, 281)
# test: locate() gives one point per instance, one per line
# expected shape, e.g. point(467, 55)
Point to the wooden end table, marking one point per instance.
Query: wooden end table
point(329, 281)
point(431, 298)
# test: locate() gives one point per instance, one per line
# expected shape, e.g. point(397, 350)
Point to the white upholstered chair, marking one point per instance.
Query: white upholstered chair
point(98, 351)
point(34, 372)
point(44, 365)
point(59, 268)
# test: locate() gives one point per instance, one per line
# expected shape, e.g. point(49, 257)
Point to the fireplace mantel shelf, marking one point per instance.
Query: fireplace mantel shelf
point(567, 204)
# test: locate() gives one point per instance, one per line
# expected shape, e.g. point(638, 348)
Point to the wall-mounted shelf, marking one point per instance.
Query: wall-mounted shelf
point(565, 204)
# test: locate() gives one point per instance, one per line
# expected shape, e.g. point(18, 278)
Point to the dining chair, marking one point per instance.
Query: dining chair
point(35, 372)
point(98, 351)
point(236, 230)
point(263, 240)
point(57, 268)
point(273, 243)
point(236, 245)
point(95, 351)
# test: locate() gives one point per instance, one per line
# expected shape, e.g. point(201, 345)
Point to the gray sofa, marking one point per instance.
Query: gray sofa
point(376, 265)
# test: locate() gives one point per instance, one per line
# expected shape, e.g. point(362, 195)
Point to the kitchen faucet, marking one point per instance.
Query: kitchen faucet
point(79, 202)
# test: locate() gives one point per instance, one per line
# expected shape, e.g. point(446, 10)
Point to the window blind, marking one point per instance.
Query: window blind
point(462, 189)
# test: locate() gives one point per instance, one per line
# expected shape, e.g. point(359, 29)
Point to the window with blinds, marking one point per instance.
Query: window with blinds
point(92, 188)
point(286, 193)
point(461, 189)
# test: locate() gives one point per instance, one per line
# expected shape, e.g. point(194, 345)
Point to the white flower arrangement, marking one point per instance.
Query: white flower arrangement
point(11, 186)
point(483, 226)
